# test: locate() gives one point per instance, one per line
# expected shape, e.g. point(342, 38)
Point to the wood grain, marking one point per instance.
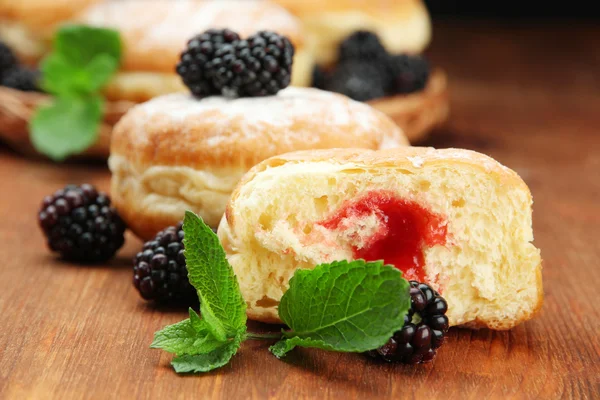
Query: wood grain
point(526, 94)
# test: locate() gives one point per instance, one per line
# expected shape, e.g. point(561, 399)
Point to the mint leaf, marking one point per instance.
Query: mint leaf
point(59, 77)
point(281, 348)
point(221, 302)
point(80, 44)
point(196, 321)
point(203, 344)
point(190, 336)
point(99, 71)
point(68, 126)
point(209, 361)
point(343, 306)
point(82, 62)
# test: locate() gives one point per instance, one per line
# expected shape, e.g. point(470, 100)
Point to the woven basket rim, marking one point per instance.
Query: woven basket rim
point(17, 108)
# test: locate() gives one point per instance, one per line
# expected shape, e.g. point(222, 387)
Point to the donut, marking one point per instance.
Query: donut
point(154, 38)
point(404, 26)
point(27, 25)
point(177, 153)
point(154, 32)
point(454, 219)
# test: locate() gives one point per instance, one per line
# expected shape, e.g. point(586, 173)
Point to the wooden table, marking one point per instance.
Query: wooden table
point(526, 94)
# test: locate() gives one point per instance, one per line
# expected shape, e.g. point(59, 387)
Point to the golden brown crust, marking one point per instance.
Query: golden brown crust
point(402, 26)
point(386, 9)
point(41, 16)
point(243, 132)
point(154, 32)
point(142, 224)
point(140, 86)
point(418, 113)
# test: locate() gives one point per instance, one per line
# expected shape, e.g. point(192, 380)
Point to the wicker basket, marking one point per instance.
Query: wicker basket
point(16, 108)
point(416, 114)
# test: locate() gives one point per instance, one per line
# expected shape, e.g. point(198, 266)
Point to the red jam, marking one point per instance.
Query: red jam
point(405, 229)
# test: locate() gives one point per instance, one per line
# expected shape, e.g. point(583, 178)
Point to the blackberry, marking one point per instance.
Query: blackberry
point(159, 270)
point(8, 60)
point(361, 46)
point(359, 80)
point(408, 73)
point(20, 78)
point(196, 61)
point(424, 330)
point(219, 62)
point(319, 77)
point(80, 224)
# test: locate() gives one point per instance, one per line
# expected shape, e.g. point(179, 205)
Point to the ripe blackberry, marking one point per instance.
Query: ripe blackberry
point(424, 330)
point(159, 270)
point(361, 46)
point(80, 224)
point(8, 60)
point(359, 80)
point(196, 61)
point(219, 62)
point(319, 77)
point(408, 73)
point(20, 78)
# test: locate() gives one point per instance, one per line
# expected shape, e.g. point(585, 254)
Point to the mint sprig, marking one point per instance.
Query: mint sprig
point(208, 342)
point(82, 62)
point(205, 362)
point(221, 301)
point(343, 306)
point(67, 126)
point(190, 336)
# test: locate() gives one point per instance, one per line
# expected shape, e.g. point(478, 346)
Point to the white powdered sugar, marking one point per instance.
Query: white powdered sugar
point(169, 23)
point(291, 106)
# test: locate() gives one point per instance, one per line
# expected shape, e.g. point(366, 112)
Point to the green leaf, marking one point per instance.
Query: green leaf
point(100, 70)
point(80, 44)
point(196, 321)
point(203, 344)
point(209, 361)
point(68, 126)
point(221, 303)
point(281, 348)
point(60, 77)
point(63, 79)
point(190, 336)
point(343, 306)
point(82, 62)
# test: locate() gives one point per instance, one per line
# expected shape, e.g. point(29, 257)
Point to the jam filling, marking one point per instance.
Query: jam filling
point(404, 230)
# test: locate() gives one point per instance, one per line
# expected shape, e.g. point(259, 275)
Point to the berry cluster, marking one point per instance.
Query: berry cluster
point(424, 330)
point(80, 224)
point(159, 271)
point(219, 62)
point(366, 71)
point(13, 75)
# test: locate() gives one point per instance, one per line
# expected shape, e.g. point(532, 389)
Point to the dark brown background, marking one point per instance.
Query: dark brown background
point(514, 8)
point(527, 93)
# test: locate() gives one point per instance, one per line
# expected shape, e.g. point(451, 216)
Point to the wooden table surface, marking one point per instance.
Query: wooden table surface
point(527, 94)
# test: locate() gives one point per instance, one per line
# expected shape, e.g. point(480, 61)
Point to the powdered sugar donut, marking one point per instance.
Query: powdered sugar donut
point(177, 153)
point(154, 32)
